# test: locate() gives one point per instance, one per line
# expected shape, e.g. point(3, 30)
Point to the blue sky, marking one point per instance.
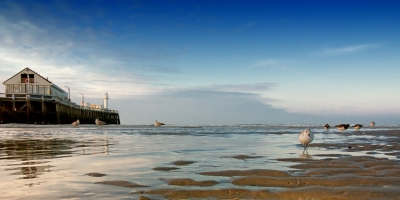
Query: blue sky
point(214, 62)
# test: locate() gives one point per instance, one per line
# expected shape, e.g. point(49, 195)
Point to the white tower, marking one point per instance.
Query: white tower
point(105, 101)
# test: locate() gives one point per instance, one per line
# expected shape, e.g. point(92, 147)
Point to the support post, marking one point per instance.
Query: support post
point(13, 104)
point(27, 106)
point(58, 112)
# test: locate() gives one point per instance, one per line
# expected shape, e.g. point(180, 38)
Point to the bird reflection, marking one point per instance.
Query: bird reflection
point(305, 155)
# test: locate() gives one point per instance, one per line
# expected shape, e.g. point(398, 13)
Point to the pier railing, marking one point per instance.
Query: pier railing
point(46, 97)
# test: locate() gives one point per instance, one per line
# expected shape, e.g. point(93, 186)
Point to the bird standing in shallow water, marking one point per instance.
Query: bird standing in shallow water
point(372, 124)
point(157, 123)
point(99, 123)
point(305, 138)
point(357, 126)
point(76, 123)
point(327, 127)
point(342, 127)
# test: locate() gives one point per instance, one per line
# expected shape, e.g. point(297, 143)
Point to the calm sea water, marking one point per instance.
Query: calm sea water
point(51, 162)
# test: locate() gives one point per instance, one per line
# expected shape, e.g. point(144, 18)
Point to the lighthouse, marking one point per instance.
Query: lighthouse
point(105, 101)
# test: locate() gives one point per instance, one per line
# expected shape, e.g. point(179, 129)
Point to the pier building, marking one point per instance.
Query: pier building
point(32, 99)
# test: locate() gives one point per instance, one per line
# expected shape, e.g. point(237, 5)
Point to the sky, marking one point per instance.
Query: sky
point(214, 62)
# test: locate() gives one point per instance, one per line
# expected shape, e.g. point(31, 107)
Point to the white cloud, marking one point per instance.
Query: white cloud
point(267, 63)
point(254, 87)
point(350, 49)
point(68, 62)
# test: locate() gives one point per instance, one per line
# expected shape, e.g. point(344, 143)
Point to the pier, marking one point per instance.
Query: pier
point(30, 98)
point(48, 109)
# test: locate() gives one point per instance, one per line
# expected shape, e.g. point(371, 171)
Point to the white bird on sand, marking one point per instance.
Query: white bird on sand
point(357, 126)
point(156, 123)
point(306, 137)
point(76, 123)
point(342, 127)
point(372, 124)
point(99, 123)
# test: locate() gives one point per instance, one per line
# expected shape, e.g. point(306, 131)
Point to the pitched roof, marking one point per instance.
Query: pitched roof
point(28, 70)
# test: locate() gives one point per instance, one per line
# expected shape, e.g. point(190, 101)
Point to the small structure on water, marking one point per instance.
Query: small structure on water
point(31, 98)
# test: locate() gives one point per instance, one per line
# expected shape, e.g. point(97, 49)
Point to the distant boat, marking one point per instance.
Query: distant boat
point(327, 127)
point(342, 127)
point(357, 126)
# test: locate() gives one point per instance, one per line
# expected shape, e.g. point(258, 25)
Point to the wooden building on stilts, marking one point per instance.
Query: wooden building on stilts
point(30, 98)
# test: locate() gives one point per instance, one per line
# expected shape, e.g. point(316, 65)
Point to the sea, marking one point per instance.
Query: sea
point(55, 161)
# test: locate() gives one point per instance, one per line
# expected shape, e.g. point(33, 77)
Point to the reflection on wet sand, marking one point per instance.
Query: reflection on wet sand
point(30, 151)
point(326, 176)
point(30, 172)
point(36, 149)
point(48, 163)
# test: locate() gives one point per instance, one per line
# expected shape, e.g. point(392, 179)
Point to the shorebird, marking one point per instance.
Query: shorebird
point(372, 124)
point(156, 123)
point(306, 137)
point(327, 127)
point(99, 123)
point(342, 127)
point(357, 126)
point(76, 123)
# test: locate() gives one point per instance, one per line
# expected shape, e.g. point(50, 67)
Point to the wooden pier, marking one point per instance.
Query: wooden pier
point(48, 109)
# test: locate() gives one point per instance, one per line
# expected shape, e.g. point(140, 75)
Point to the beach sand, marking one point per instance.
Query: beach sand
point(342, 176)
point(171, 163)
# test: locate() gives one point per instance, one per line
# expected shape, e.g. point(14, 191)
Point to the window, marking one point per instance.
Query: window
point(41, 90)
point(9, 89)
point(31, 78)
point(30, 89)
point(16, 89)
point(23, 89)
point(46, 90)
point(24, 78)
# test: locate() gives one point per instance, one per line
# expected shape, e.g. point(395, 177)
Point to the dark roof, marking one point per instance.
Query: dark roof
point(29, 70)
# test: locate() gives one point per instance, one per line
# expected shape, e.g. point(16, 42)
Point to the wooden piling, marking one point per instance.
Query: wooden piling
point(46, 109)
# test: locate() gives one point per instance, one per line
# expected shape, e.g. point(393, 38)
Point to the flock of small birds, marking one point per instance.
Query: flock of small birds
point(97, 122)
point(306, 136)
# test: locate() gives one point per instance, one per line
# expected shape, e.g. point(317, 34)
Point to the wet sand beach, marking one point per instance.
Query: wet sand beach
point(206, 163)
point(341, 177)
